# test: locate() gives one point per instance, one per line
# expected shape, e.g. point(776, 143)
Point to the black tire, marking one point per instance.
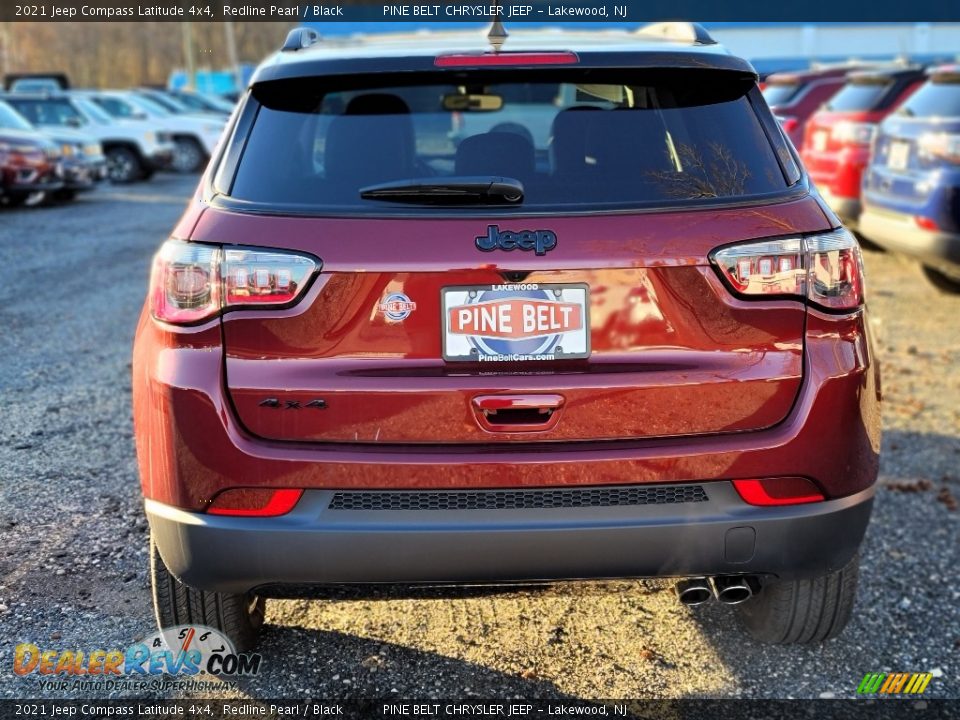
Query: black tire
point(188, 156)
point(802, 611)
point(941, 281)
point(64, 195)
point(239, 617)
point(868, 244)
point(16, 199)
point(123, 165)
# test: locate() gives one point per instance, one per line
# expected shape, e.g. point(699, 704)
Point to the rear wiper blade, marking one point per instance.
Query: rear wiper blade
point(461, 190)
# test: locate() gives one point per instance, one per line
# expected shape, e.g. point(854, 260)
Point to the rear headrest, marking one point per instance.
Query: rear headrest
point(496, 153)
point(372, 142)
point(377, 104)
point(569, 144)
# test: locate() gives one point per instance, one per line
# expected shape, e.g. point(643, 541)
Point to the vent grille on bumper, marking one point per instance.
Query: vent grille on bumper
point(517, 499)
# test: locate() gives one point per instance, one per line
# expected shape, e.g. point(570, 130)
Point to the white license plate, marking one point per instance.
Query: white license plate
point(516, 322)
point(899, 155)
point(820, 138)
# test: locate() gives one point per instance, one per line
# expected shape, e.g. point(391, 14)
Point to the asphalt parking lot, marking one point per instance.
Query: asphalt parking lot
point(73, 542)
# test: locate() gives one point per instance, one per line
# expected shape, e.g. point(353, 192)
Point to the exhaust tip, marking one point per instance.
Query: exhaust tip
point(732, 590)
point(695, 591)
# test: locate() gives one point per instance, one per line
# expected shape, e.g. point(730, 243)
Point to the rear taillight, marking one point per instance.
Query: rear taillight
point(940, 146)
point(847, 132)
point(192, 282)
point(825, 269)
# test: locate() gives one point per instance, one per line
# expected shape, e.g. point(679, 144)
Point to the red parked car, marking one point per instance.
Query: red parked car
point(836, 145)
point(795, 96)
point(376, 354)
point(29, 164)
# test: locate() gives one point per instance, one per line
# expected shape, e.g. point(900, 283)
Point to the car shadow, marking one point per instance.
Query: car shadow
point(337, 665)
point(900, 621)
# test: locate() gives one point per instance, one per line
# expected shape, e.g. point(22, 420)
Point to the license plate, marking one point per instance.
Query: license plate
point(820, 138)
point(516, 323)
point(899, 155)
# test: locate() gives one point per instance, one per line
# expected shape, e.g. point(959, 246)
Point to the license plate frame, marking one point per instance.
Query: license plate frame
point(543, 345)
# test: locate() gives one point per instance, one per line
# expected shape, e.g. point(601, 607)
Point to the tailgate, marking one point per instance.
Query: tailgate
point(655, 344)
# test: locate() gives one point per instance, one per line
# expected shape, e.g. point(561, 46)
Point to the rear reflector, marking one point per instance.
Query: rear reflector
point(778, 491)
point(254, 502)
point(926, 223)
point(507, 58)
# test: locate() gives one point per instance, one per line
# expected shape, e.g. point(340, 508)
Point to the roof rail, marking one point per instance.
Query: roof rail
point(300, 39)
point(679, 31)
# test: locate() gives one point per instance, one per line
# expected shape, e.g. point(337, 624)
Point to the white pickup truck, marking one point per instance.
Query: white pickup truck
point(134, 150)
point(194, 136)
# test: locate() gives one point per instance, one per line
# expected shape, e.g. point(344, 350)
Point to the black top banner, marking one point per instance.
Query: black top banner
point(551, 12)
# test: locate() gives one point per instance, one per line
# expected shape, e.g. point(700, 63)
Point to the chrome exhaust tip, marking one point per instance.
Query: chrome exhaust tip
point(732, 589)
point(693, 591)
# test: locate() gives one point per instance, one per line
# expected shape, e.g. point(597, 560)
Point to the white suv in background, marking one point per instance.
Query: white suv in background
point(134, 150)
point(195, 136)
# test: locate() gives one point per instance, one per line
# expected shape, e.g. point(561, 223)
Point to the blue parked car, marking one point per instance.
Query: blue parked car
point(911, 190)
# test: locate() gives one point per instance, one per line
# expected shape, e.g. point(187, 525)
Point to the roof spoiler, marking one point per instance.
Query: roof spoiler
point(689, 32)
point(300, 39)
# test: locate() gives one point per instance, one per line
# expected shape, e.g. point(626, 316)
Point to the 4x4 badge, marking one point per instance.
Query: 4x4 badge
point(540, 241)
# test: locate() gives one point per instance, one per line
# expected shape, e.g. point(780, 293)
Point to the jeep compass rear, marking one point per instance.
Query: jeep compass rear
point(386, 345)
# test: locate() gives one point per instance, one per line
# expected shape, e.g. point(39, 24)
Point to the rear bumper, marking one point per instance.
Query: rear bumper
point(314, 544)
point(899, 233)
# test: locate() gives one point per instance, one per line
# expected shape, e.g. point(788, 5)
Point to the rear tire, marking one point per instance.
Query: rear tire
point(239, 617)
point(941, 281)
point(802, 611)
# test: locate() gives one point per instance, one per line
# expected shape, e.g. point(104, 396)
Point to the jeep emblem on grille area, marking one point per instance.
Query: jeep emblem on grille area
point(540, 241)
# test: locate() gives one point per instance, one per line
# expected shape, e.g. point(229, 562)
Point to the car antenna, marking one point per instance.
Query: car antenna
point(497, 34)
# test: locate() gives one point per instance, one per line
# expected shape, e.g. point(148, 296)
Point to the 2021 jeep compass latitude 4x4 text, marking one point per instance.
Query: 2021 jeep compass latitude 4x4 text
point(441, 315)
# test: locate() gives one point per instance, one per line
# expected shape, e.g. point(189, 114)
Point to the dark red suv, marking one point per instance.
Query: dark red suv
point(376, 351)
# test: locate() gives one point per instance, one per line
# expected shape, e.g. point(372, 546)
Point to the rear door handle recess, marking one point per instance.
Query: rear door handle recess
point(517, 413)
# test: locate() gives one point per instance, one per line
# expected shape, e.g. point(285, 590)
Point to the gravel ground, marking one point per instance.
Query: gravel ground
point(73, 539)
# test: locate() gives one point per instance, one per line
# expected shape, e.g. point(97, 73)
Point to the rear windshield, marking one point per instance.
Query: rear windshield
point(934, 99)
point(780, 93)
point(854, 97)
point(48, 112)
point(569, 142)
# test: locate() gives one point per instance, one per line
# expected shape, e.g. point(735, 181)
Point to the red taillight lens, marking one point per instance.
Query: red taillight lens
point(926, 223)
point(826, 269)
point(789, 124)
point(778, 491)
point(255, 502)
point(192, 282)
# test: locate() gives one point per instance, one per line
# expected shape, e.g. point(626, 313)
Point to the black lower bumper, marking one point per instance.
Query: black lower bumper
point(317, 544)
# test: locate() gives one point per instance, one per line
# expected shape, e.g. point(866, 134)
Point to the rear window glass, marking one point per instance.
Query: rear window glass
point(934, 99)
point(48, 112)
point(576, 141)
point(780, 93)
point(858, 96)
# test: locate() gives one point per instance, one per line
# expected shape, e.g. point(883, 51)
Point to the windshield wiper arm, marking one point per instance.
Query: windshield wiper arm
point(461, 190)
